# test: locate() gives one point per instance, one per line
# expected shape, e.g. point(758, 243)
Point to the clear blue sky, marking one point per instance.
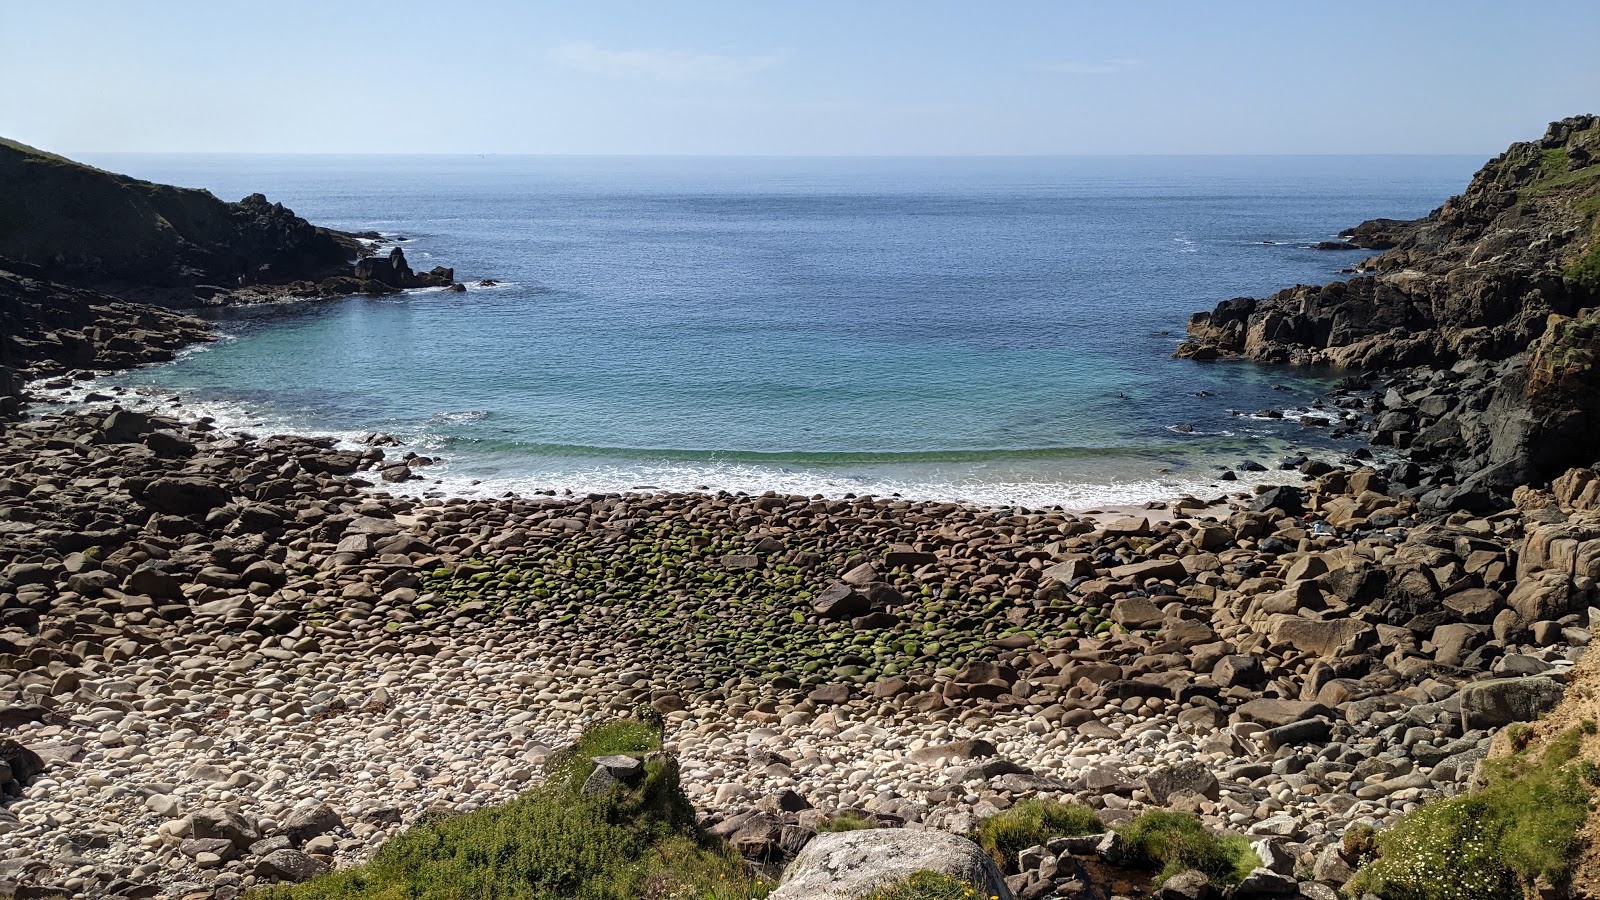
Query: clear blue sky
point(859, 77)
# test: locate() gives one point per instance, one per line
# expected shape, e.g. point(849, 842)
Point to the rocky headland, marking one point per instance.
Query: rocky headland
point(94, 265)
point(1477, 323)
point(229, 661)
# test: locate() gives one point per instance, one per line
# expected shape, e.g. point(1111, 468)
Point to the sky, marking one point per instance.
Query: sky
point(794, 78)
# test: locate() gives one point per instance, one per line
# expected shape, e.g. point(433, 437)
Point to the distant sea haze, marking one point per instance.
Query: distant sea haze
point(995, 330)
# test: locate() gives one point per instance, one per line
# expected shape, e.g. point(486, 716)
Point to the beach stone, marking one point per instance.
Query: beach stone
point(185, 496)
point(1275, 713)
point(1238, 671)
point(1189, 885)
point(310, 820)
point(841, 601)
point(971, 748)
point(1502, 701)
point(290, 865)
point(852, 863)
point(1191, 775)
point(1136, 612)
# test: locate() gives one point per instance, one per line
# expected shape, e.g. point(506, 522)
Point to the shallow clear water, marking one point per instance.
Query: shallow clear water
point(997, 330)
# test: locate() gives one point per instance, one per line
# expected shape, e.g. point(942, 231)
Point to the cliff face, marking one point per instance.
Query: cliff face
point(1490, 292)
point(1476, 279)
point(78, 243)
point(87, 226)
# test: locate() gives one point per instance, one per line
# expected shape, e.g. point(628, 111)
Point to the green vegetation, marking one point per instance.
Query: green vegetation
point(1555, 174)
point(42, 154)
point(638, 841)
point(665, 585)
point(1032, 823)
point(1175, 842)
point(623, 737)
point(926, 885)
point(848, 820)
point(1523, 825)
point(1585, 270)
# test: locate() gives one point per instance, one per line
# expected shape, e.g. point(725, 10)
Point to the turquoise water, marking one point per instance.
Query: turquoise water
point(997, 330)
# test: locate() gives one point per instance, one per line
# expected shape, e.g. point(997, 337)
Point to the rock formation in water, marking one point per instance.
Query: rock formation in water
point(1486, 303)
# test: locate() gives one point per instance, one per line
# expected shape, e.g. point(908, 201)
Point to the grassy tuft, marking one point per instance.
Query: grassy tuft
point(1585, 270)
point(926, 885)
point(638, 841)
point(1176, 842)
point(848, 820)
point(623, 737)
point(1522, 826)
point(1032, 823)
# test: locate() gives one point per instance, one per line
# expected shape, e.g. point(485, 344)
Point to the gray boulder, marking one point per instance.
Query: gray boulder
point(1501, 701)
point(1190, 775)
point(847, 864)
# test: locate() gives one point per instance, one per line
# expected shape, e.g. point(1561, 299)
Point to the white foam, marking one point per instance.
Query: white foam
point(455, 480)
point(475, 478)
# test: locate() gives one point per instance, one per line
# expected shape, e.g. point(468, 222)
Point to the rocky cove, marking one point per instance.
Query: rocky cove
point(233, 660)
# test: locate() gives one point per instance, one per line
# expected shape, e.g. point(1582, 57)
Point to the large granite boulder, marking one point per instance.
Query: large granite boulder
point(1501, 701)
point(851, 863)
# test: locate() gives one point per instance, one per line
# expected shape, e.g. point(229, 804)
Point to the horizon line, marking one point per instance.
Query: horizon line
point(468, 153)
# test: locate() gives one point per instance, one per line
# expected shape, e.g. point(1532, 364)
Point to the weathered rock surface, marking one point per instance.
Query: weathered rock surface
point(1484, 306)
point(852, 863)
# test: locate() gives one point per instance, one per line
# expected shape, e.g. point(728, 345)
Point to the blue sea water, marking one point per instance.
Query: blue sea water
point(991, 329)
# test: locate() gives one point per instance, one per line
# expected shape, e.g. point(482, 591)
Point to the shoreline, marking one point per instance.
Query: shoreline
point(434, 478)
point(349, 621)
point(228, 661)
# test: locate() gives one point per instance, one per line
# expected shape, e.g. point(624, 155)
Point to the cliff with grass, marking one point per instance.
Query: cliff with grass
point(1485, 303)
point(90, 227)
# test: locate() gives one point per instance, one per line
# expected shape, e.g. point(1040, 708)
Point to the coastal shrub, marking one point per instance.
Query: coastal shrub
point(848, 820)
point(1585, 270)
point(637, 841)
point(1032, 823)
point(1521, 826)
point(1174, 842)
point(926, 885)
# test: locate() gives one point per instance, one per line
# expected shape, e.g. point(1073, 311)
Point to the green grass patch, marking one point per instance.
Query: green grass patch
point(849, 820)
point(1033, 823)
point(637, 841)
point(1585, 270)
point(1174, 842)
point(625, 737)
point(1522, 826)
point(926, 885)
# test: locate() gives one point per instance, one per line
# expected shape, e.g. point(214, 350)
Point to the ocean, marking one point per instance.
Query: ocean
point(992, 330)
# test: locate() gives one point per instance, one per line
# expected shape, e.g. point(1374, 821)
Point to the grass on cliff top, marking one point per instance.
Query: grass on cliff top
point(1033, 823)
point(1556, 175)
point(1175, 842)
point(1522, 826)
point(553, 842)
point(35, 151)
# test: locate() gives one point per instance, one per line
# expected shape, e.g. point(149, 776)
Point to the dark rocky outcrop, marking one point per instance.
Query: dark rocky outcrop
point(88, 258)
point(393, 271)
point(83, 226)
point(1482, 308)
point(48, 330)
